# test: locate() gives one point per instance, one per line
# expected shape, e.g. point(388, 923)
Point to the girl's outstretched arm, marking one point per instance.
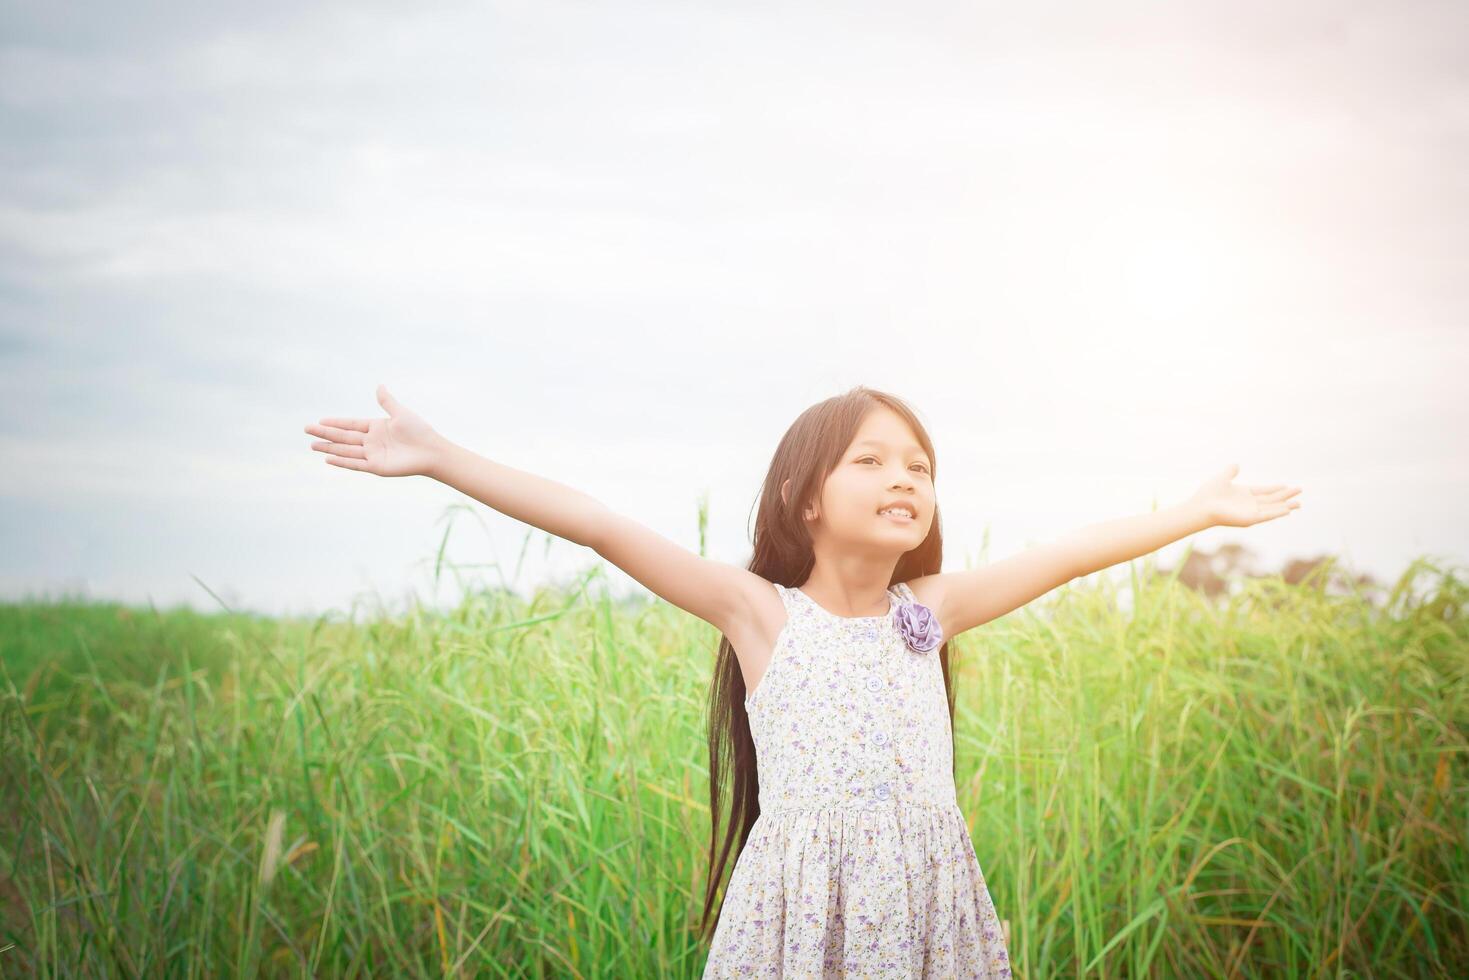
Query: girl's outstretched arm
point(404, 445)
point(963, 600)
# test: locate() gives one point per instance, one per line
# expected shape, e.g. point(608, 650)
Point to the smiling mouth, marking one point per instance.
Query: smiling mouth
point(901, 516)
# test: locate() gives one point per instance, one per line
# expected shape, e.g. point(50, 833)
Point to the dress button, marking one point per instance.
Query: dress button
point(881, 738)
point(882, 791)
point(874, 683)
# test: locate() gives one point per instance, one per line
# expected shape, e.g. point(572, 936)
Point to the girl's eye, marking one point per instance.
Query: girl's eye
point(921, 466)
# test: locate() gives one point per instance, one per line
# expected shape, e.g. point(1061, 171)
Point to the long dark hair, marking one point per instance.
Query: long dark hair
point(810, 449)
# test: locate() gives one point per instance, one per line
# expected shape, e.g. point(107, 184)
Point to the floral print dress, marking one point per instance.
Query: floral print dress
point(860, 863)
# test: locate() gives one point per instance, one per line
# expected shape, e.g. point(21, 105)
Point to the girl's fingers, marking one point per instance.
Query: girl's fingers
point(1278, 492)
point(350, 464)
point(347, 436)
point(339, 449)
point(357, 425)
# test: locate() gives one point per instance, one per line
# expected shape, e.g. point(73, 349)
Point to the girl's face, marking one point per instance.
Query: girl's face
point(883, 465)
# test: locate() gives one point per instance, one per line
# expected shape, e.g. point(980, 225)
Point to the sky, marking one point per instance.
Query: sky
point(1103, 250)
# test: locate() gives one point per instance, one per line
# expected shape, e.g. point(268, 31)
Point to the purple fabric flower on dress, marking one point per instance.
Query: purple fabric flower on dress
point(919, 627)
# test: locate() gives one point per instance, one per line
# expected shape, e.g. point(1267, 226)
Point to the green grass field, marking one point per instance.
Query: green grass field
point(1275, 785)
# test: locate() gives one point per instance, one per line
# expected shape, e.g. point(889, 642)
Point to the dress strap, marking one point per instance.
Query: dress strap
point(904, 593)
point(786, 598)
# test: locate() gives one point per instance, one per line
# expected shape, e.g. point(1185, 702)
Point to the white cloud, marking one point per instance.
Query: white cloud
point(1104, 250)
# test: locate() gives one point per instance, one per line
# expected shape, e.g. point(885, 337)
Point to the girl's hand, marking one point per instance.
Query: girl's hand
point(1227, 505)
point(400, 445)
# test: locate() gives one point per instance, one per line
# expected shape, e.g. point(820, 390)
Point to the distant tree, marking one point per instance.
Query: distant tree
point(1213, 573)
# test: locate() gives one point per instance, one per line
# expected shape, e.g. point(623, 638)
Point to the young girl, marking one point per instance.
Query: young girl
point(831, 695)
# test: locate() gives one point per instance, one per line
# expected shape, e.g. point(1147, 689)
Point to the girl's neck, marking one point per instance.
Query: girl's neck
point(850, 599)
